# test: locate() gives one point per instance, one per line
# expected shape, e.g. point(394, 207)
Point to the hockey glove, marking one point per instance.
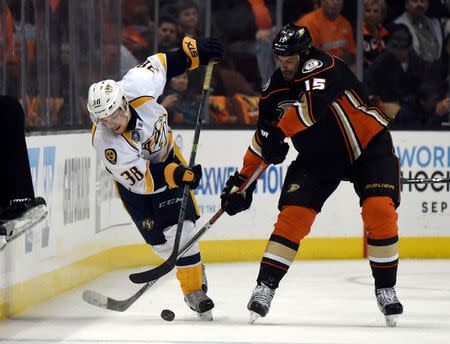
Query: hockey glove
point(199, 51)
point(233, 202)
point(274, 149)
point(178, 175)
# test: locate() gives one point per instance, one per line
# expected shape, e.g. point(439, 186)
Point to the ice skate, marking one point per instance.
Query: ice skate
point(389, 305)
point(21, 215)
point(260, 301)
point(200, 303)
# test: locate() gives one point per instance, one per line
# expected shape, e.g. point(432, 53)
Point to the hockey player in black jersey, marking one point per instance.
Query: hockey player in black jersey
point(317, 102)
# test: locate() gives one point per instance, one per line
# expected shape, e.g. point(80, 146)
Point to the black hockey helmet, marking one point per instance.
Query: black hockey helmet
point(292, 40)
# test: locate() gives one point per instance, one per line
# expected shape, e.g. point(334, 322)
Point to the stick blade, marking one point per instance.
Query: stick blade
point(155, 273)
point(95, 299)
point(99, 300)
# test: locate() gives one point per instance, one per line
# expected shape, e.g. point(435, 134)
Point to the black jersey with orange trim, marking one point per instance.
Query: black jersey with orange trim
point(323, 111)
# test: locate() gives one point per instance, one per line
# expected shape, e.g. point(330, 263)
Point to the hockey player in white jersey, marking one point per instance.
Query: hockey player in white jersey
point(131, 133)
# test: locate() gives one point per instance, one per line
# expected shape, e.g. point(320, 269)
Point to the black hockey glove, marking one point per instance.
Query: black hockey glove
point(178, 175)
point(201, 50)
point(274, 149)
point(233, 202)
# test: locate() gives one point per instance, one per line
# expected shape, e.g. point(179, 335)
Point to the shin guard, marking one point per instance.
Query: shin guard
point(293, 224)
point(190, 278)
point(380, 223)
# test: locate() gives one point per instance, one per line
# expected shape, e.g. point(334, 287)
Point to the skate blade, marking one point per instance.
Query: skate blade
point(391, 320)
point(253, 317)
point(15, 228)
point(206, 316)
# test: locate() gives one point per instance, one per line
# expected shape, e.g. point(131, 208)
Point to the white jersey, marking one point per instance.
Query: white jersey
point(133, 157)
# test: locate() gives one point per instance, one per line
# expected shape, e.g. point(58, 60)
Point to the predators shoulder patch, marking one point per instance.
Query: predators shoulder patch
point(111, 155)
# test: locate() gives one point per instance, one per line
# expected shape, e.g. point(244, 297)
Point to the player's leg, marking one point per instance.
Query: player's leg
point(190, 270)
point(377, 184)
point(302, 197)
point(156, 218)
point(19, 209)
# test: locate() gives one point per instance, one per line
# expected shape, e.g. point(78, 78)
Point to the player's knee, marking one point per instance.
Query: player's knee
point(163, 250)
point(294, 222)
point(379, 217)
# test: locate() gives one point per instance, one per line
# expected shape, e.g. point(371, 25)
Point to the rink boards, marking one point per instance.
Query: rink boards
point(88, 232)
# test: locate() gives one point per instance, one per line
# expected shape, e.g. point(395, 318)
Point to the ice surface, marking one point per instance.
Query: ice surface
point(317, 302)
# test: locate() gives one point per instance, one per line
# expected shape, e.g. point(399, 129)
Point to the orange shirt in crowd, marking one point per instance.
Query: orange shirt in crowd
point(6, 31)
point(333, 36)
point(262, 15)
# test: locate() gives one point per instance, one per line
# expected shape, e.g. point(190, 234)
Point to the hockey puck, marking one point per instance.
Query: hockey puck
point(167, 315)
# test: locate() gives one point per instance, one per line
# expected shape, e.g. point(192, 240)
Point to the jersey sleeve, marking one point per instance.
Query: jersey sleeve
point(253, 157)
point(147, 79)
point(298, 117)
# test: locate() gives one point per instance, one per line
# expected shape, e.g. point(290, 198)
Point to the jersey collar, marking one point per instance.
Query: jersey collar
point(135, 120)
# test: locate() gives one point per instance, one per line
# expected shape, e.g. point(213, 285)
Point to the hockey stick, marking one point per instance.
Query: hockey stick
point(259, 171)
point(164, 268)
point(100, 300)
point(103, 301)
point(424, 180)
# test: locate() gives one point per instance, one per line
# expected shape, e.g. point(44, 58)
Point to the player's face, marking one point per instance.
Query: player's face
point(117, 121)
point(289, 66)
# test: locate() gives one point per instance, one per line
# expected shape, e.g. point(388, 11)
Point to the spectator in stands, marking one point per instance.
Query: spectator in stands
point(228, 81)
point(445, 60)
point(168, 37)
point(136, 13)
point(427, 111)
point(7, 53)
point(127, 60)
point(426, 32)
point(51, 19)
point(187, 18)
point(247, 28)
point(294, 9)
point(182, 105)
point(375, 34)
point(264, 36)
point(395, 74)
point(135, 42)
point(330, 31)
point(136, 32)
point(187, 15)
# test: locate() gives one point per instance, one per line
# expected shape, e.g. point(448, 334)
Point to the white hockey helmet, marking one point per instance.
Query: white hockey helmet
point(104, 98)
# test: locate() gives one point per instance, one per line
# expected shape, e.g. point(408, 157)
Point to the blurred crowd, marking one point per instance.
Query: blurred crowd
point(405, 65)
